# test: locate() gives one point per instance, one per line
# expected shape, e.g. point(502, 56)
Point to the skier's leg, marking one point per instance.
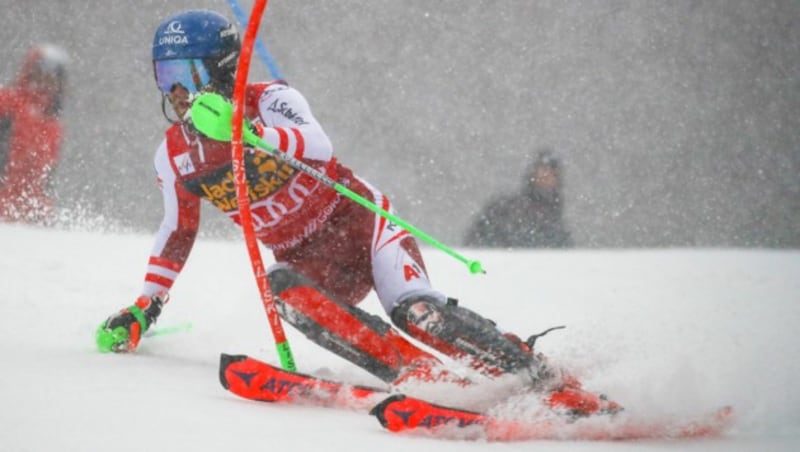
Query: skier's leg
point(363, 339)
point(464, 335)
point(405, 291)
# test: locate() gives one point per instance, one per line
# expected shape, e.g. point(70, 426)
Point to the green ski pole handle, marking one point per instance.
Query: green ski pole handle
point(211, 114)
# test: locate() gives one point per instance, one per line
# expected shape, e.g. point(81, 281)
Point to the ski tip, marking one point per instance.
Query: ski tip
point(225, 360)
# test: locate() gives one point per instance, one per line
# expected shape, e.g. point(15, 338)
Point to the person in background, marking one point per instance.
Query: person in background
point(30, 135)
point(530, 218)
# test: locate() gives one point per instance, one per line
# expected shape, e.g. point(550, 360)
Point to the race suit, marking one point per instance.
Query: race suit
point(341, 246)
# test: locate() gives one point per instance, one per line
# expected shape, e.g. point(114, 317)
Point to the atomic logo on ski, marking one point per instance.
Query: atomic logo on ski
point(432, 420)
point(284, 387)
point(256, 380)
point(247, 377)
point(404, 415)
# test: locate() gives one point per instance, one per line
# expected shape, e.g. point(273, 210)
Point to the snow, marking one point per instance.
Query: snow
point(672, 331)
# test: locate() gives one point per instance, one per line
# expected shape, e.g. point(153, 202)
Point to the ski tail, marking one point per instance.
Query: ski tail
point(252, 379)
point(402, 414)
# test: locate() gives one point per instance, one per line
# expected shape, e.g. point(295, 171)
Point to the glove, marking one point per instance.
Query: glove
point(211, 115)
point(121, 332)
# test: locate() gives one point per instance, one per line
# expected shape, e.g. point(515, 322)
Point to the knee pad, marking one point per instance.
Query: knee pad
point(282, 277)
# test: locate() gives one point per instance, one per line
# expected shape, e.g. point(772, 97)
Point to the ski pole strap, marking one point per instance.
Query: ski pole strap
point(139, 316)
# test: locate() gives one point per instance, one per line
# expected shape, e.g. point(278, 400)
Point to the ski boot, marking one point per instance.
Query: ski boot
point(121, 332)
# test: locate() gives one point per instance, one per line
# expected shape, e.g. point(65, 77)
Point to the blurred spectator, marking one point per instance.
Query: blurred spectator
point(30, 135)
point(529, 218)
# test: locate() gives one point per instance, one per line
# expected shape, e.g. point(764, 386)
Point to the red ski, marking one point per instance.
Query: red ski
point(399, 413)
point(256, 380)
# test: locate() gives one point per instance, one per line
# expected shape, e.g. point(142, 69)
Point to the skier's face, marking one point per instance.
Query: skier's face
point(180, 99)
point(181, 80)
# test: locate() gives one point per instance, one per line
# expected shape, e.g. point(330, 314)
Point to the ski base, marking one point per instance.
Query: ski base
point(399, 413)
point(256, 380)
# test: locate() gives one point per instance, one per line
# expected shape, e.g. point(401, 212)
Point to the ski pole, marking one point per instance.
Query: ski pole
point(212, 115)
point(235, 122)
point(163, 331)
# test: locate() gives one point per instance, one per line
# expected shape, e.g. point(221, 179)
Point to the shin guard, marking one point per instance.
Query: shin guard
point(361, 338)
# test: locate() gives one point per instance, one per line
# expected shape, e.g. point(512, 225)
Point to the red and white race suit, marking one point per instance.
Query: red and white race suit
point(342, 246)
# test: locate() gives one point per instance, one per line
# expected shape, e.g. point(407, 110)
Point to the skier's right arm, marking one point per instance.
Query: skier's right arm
point(123, 330)
point(177, 232)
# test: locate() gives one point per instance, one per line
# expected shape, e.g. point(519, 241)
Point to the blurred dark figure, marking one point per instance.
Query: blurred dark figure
point(527, 219)
point(30, 136)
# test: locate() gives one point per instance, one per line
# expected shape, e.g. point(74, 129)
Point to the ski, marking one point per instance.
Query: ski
point(252, 379)
point(399, 413)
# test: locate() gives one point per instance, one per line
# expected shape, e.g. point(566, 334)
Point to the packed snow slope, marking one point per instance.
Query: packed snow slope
point(674, 332)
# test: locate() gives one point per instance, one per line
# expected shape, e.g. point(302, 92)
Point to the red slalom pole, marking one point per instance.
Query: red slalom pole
point(245, 216)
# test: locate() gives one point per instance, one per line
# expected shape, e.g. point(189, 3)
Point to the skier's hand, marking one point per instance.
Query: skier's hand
point(211, 115)
point(121, 332)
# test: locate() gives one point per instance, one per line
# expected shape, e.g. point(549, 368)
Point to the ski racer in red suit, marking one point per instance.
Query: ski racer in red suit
point(329, 252)
point(30, 135)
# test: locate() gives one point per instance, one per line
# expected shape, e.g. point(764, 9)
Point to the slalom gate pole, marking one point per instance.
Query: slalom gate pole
point(210, 113)
point(261, 48)
point(240, 177)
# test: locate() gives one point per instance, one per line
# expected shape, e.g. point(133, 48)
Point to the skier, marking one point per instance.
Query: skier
point(329, 252)
point(30, 135)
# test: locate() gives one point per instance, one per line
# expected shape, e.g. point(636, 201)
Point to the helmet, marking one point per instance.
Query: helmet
point(547, 159)
point(196, 49)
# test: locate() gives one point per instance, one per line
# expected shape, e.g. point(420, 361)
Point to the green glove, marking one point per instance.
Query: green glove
point(121, 332)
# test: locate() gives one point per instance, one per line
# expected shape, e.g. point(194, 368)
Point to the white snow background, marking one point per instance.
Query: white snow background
point(661, 331)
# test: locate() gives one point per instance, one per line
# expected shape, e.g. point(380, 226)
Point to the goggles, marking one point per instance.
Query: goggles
point(189, 73)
